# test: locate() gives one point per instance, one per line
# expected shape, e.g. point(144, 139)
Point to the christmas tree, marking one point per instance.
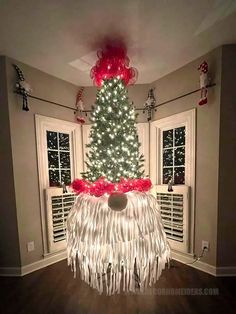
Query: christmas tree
point(114, 229)
point(114, 163)
point(114, 145)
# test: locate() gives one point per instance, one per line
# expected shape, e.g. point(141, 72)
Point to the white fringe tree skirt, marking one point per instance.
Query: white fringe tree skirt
point(117, 251)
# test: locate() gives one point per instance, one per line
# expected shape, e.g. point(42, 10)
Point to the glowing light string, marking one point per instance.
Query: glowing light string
point(117, 251)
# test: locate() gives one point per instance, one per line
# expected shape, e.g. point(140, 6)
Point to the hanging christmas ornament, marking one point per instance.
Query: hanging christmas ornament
point(204, 81)
point(149, 105)
point(22, 87)
point(79, 106)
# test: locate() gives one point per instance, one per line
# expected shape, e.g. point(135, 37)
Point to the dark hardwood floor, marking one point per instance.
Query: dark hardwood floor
point(54, 290)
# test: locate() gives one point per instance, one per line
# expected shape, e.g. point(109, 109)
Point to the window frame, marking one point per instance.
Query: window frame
point(42, 124)
point(143, 134)
point(187, 119)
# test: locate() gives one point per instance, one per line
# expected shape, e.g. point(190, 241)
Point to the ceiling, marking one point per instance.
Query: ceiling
point(62, 37)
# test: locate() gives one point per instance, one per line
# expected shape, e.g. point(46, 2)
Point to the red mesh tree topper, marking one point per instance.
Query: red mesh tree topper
point(113, 63)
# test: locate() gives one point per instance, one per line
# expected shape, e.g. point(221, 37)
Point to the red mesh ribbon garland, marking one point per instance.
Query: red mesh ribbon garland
point(113, 63)
point(81, 186)
point(102, 186)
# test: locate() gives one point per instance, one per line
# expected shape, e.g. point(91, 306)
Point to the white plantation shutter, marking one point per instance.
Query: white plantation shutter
point(58, 207)
point(174, 207)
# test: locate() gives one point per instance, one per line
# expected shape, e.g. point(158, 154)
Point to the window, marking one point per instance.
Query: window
point(172, 156)
point(60, 160)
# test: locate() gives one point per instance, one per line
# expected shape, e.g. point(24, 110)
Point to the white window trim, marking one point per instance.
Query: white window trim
point(86, 132)
point(143, 134)
point(42, 124)
point(187, 118)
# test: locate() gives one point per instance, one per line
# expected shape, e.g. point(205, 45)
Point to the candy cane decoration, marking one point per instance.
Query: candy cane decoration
point(204, 80)
point(79, 106)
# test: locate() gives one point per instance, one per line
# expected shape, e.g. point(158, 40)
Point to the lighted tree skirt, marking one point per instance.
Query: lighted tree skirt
point(117, 250)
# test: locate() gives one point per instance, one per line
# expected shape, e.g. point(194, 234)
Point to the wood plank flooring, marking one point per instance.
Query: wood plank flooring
point(53, 290)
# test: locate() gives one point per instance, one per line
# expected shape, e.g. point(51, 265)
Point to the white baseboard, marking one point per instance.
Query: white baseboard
point(24, 270)
point(207, 268)
point(188, 258)
point(43, 263)
point(180, 257)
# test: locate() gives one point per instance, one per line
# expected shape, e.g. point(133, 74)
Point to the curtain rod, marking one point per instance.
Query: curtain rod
point(138, 109)
point(48, 101)
point(183, 95)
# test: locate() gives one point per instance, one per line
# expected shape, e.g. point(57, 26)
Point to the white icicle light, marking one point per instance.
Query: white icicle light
point(116, 248)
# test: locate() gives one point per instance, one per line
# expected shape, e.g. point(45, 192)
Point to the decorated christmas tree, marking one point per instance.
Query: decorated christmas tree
point(114, 145)
point(114, 162)
point(114, 231)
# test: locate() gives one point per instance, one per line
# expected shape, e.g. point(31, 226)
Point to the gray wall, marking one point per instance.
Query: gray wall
point(23, 141)
point(212, 126)
point(9, 241)
point(180, 82)
point(226, 240)
point(177, 83)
